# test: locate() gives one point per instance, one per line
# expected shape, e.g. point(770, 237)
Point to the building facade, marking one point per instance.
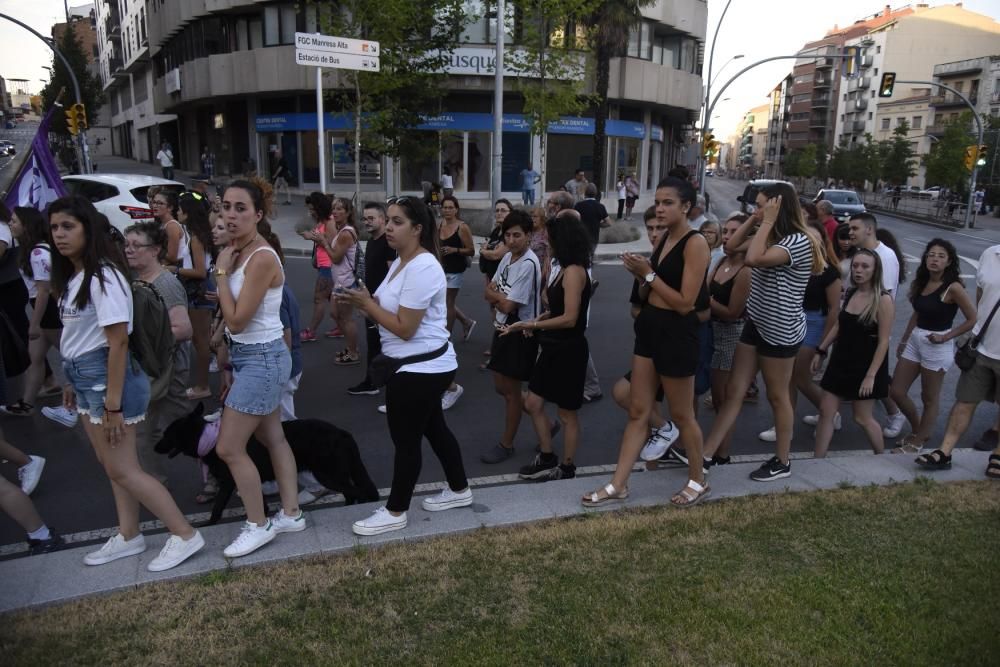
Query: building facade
point(916, 113)
point(226, 69)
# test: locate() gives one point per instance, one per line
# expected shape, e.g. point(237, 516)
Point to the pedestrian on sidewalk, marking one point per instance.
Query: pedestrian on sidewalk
point(631, 194)
point(343, 251)
point(207, 162)
point(622, 193)
point(529, 177)
point(410, 308)
point(279, 180)
point(491, 251)
point(322, 235)
point(166, 159)
point(106, 383)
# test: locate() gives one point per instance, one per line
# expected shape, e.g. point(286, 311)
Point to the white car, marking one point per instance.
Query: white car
point(121, 197)
point(930, 193)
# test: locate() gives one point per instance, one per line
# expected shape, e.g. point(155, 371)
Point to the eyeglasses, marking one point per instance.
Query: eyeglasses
point(157, 203)
point(397, 200)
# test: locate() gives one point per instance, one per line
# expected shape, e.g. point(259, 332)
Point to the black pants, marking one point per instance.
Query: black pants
point(621, 208)
point(373, 347)
point(413, 408)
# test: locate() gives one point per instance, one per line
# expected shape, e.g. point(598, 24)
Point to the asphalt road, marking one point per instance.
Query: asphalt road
point(21, 136)
point(74, 494)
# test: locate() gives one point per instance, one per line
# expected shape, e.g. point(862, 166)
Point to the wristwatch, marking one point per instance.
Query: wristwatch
point(650, 277)
point(220, 272)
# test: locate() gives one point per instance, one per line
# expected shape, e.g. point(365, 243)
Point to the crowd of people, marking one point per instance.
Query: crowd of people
point(785, 293)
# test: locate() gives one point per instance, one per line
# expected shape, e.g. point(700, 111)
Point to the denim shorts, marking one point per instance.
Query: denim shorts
point(88, 374)
point(815, 323)
point(260, 371)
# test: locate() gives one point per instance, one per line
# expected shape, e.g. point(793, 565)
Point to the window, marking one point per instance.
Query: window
point(917, 122)
point(801, 98)
point(646, 46)
point(873, 94)
point(900, 121)
point(279, 25)
point(959, 85)
point(878, 49)
point(885, 123)
point(870, 115)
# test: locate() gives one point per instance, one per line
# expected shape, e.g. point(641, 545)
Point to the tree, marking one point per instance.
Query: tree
point(553, 71)
point(898, 157)
point(91, 92)
point(415, 40)
point(612, 23)
point(792, 163)
point(945, 163)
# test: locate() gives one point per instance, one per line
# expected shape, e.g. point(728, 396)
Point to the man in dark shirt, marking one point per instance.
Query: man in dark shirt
point(593, 215)
point(378, 257)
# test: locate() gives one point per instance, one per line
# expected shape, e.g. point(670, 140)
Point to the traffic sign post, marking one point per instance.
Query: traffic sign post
point(316, 50)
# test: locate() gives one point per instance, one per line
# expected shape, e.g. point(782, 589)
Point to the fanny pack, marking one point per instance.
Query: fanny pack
point(383, 367)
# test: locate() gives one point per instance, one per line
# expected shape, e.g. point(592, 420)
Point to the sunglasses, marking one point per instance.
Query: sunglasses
point(397, 200)
point(194, 195)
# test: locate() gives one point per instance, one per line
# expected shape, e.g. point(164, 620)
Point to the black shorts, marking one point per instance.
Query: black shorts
point(669, 339)
point(513, 355)
point(750, 336)
point(560, 371)
point(50, 318)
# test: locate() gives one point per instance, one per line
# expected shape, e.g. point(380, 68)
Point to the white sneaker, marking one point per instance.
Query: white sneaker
point(379, 522)
point(381, 408)
point(30, 473)
point(61, 415)
point(115, 548)
point(813, 420)
point(213, 366)
point(895, 425)
point(269, 488)
point(282, 523)
point(449, 398)
point(659, 441)
point(447, 500)
point(251, 538)
point(307, 497)
point(770, 435)
point(176, 551)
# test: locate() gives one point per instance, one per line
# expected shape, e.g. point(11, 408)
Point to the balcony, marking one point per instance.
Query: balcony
point(824, 63)
point(952, 100)
point(822, 82)
point(821, 101)
point(112, 20)
point(936, 130)
point(867, 61)
point(857, 126)
point(859, 83)
point(859, 104)
point(114, 64)
point(819, 120)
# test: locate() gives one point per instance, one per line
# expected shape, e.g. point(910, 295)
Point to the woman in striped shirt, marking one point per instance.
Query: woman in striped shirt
point(782, 256)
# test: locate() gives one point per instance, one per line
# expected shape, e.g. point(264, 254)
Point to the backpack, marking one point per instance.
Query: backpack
point(151, 341)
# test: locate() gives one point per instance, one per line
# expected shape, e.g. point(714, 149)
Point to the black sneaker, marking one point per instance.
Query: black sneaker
point(721, 460)
point(564, 471)
point(541, 468)
point(363, 389)
point(496, 454)
point(54, 543)
point(772, 470)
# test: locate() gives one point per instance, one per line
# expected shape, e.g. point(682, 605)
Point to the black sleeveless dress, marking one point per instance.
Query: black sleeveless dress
point(453, 263)
point(561, 369)
point(852, 354)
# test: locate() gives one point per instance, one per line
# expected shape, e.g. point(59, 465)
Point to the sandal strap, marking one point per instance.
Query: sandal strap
point(694, 486)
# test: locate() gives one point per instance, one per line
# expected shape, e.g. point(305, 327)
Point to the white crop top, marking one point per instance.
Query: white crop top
point(265, 325)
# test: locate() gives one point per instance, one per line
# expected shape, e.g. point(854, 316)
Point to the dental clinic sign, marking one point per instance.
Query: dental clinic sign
point(483, 62)
point(317, 50)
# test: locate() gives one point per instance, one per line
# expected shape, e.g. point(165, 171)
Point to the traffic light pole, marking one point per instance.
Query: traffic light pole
point(979, 142)
point(82, 136)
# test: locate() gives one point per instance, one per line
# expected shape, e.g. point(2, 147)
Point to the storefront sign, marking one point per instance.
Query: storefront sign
point(483, 62)
point(656, 133)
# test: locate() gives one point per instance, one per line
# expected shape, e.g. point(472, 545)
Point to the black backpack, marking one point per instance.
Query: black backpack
point(151, 341)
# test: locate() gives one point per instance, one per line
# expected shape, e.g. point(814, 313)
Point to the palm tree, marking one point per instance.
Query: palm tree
point(612, 22)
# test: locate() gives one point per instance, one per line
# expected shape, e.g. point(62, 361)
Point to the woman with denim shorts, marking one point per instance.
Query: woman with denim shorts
point(105, 383)
point(250, 279)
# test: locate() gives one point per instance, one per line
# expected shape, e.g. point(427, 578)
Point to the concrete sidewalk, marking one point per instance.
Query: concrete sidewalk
point(62, 576)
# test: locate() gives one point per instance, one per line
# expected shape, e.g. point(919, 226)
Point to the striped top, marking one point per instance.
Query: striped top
point(775, 302)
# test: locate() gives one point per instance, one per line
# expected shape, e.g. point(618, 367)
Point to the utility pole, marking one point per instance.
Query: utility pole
point(498, 107)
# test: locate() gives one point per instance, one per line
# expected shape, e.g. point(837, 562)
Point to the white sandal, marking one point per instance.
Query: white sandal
point(693, 494)
point(611, 495)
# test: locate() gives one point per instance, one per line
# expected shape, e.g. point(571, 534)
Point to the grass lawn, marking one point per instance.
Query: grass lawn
point(900, 575)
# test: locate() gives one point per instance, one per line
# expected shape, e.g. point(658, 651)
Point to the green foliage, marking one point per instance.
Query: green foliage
point(945, 164)
point(801, 162)
point(897, 157)
point(856, 163)
point(91, 91)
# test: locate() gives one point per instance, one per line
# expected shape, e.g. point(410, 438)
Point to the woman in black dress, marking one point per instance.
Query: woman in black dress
point(859, 366)
point(559, 373)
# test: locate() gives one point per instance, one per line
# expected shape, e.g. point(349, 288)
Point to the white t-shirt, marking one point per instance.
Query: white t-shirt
point(446, 182)
point(988, 280)
point(41, 268)
point(419, 285)
point(890, 269)
point(165, 157)
point(622, 190)
point(520, 283)
point(83, 330)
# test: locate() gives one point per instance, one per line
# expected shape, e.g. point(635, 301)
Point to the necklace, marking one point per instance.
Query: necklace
point(245, 246)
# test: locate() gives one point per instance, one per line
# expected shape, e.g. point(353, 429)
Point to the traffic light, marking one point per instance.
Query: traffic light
point(71, 123)
point(888, 81)
point(709, 145)
point(971, 153)
point(81, 115)
point(981, 157)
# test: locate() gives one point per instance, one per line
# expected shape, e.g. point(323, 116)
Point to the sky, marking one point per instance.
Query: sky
point(753, 28)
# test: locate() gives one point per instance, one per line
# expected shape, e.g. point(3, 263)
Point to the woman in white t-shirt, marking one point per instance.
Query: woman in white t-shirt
point(411, 312)
point(105, 382)
point(28, 226)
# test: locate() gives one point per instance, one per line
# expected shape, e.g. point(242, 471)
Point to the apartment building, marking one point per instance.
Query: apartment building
point(909, 45)
point(915, 111)
point(228, 72)
point(976, 79)
point(778, 117)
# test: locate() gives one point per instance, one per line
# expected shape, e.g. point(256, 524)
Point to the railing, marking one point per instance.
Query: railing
point(821, 101)
point(860, 104)
point(858, 126)
point(951, 99)
point(943, 211)
point(859, 83)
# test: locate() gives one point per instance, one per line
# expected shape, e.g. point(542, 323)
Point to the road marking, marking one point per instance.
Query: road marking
point(978, 238)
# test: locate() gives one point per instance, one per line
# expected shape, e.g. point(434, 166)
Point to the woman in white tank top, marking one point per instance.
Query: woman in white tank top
point(250, 277)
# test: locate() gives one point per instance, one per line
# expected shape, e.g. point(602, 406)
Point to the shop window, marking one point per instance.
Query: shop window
point(564, 154)
point(477, 168)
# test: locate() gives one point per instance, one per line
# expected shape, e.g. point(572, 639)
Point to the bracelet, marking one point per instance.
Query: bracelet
point(107, 409)
point(219, 273)
point(820, 352)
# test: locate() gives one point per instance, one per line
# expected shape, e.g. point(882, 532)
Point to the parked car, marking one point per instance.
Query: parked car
point(121, 197)
point(9, 145)
point(930, 193)
point(4, 149)
point(845, 202)
point(749, 197)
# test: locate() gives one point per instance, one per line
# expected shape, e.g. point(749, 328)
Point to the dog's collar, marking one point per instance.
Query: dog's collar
point(209, 436)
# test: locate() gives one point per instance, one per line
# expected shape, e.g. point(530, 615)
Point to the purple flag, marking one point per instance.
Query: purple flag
point(38, 183)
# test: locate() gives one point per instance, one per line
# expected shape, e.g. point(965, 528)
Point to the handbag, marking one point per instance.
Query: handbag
point(965, 354)
point(13, 349)
point(383, 367)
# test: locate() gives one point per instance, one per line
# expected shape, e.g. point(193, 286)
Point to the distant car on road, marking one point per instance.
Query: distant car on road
point(930, 193)
point(7, 147)
point(845, 202)
point(749, 197)
point(121, 197)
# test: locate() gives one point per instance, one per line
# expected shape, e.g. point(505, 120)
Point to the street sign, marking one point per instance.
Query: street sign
point(326, 43)
point(336, 60)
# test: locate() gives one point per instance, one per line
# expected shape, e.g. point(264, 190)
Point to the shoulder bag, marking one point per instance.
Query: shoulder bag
point(383, 367)
point(965, 354)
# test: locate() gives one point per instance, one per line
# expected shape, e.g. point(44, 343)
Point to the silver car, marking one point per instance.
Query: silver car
point(845, 203)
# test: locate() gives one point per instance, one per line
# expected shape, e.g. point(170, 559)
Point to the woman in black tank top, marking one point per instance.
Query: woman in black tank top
point(927, 348)
point(456, 247)
point(666, 342)
point(560, 371)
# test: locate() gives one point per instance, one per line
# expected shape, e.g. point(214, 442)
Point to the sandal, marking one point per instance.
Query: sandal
point(993, 469)
point(19, 409)
point(195, 395)
point(691, 495)
point(595, 499)
point(936, 460)
point(207, 494)
point(347, 359)
point(908, 445)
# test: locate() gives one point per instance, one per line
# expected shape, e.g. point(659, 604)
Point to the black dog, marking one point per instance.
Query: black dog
point(329, 452)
